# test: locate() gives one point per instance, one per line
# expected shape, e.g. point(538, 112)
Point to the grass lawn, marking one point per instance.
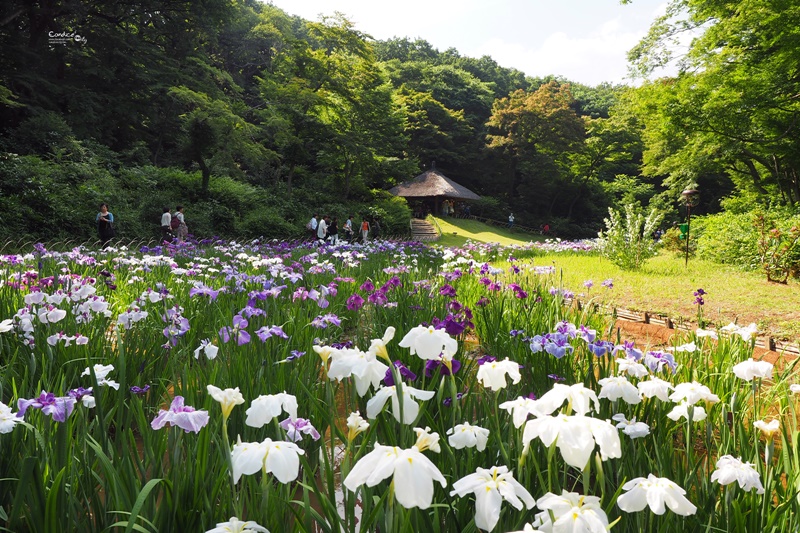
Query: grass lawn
point(456, 231)
point(664, 285)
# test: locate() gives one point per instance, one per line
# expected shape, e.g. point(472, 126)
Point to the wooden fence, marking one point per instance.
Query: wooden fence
point(657, 319)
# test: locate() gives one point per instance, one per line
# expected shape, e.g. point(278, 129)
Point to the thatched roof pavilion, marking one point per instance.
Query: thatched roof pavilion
point(435, 186)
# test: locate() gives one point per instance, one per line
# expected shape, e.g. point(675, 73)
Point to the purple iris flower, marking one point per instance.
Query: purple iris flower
point(202, 290)
point(395, 282)
point(367, 286)
point(537, 343)
point(587, 334)
point(58, 407)
point(657, 361)
point(453, 327)
point(332, 319)
point(698, 296)
point(404, 371)
point(447, 290)
point(449, 400)
point(601, 348)
point(377, 298)
point(295, 354)
point(516, 332)
point(609, 283)
point(483, 302)
point(558, 345)
point(295, 429)
point(265, 333)
point(556, 377)
point(79, 393)
point(495, 286)
point(431, 365)
point(140, 391)
point(301, 293)
point(177, 328)
point(630, 351)
point(339, 345)
point(183, 416)
point(355, 302)
point(486, 359)
point(236, 332)
point(251, 311)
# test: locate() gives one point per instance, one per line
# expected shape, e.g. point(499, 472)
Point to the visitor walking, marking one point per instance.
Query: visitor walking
point(166, 225)
point(333, 231)
point(364, 230)
point(311, 227)
point(322, 229)
point(348, 229)
point(182, 230)
point(105, 225)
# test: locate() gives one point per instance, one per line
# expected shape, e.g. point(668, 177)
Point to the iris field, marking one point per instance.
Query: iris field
point(391, 387)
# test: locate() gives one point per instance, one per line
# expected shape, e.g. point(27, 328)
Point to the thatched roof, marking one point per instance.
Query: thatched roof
point(433, 183)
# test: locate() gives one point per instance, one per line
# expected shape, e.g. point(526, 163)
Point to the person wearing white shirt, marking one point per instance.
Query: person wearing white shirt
point(166, 221)
point(322, 228)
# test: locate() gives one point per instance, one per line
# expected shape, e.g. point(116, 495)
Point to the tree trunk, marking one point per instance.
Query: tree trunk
point(206, 174)
point(289, 180)
point(755, 175)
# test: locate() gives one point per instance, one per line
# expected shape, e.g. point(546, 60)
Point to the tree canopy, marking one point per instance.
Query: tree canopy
point(317, 112)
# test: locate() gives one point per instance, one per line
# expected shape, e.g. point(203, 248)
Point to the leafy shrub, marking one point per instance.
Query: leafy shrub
point(268, 221)
point(778, 251)
point(392, 212)
point(674, 241)
point(490, 208)
point(727, 238)
point(628, 242)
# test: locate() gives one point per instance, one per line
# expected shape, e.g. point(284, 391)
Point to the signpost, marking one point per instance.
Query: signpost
point(691, 197)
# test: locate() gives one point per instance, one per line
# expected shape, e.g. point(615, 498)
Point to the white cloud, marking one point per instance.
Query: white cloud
point(591, 59)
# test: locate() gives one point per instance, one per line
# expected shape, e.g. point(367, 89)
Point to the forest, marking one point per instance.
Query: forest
point(254, 119)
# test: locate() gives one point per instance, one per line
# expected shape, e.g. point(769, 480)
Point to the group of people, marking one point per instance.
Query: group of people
point(460, 210)
point(173, 225)
point(326, 229)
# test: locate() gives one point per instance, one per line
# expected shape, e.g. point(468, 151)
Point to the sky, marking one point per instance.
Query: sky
point(585, 41)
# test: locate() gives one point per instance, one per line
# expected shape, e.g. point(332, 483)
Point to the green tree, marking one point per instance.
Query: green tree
point(733, 108)
point(533, 132)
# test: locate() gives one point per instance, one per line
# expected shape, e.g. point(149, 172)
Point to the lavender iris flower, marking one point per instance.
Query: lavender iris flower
point(558, 345)
point(183, 416)
point(236, 332)
point(657, 361)
point(630, 351)
point(601, 348)
point(265, 333)
point(58, 407)
point(295, 429)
